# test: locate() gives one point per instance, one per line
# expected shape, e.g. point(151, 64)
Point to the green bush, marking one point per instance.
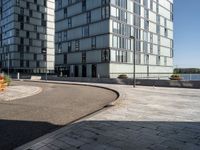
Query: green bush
point(175, 77)
point(123, 76)
point(7, 79)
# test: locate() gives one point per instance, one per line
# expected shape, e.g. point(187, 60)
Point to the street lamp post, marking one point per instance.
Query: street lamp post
point(148, 66)
point(44, 51)
point(134, 61)
point(8, 59)
point(46, 70)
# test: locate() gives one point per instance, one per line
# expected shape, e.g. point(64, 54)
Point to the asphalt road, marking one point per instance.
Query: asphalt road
point(26, 119)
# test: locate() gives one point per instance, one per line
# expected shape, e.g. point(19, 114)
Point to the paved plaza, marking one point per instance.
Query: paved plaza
point(145, 118)
point(24, 119)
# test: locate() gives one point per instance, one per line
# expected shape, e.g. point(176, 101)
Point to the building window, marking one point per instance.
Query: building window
point(35, 57)
point(59, 48)
point(64, 36)
point(115, 41)
point(69, 46)
point(138, 58)
point(137, 9)
point(84, 57)
point(35, 28)
point(165, 61)
point(105, 12)
point(93, 42)
point(21, 18)
point(43, 23)
point(145, 47)
point(45, 3)
point(146, 25)
point(30, 13)
point(166, 32)
point(59, 4)
point(38, 35)
point(105, 2)
point(69, 22)
point(17, 2)
point(60, 37)
point(146, 13)
point(69, 2)
point(159, 50)
point(85, 31)
point(158, 29)
point(77, 45)
point(88, 17)
point(105, 55)
point(38, 8)
point(158, 60)
point(27, 19)
point(84, 5)
point(22, 11)
point(17, 32)
point(27, 49)
point(65, 12)
point(151, 48)
point(38, 64)
point(151, 4)
point(27, 63)
point(158, 19)
point(65, 58)
point(21, 63)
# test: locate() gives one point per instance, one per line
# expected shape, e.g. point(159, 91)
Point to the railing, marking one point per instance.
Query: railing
point(184, 77)
point(166, 76)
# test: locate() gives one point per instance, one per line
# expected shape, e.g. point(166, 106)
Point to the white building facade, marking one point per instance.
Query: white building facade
point(27, 29)
point(97, 38)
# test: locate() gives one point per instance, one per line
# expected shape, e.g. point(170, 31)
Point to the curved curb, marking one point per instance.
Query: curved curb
point(69, 125)
point(119, 96)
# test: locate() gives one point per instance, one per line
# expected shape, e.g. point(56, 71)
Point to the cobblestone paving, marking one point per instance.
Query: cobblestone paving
point(18, 92)
point(146, 119)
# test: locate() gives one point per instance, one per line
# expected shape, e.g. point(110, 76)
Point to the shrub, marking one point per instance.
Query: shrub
point(123, 76)
point(175, 77)
point(7, 79)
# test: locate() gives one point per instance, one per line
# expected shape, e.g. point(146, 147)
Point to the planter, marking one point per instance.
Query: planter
point(175, 77)
point(123, 76)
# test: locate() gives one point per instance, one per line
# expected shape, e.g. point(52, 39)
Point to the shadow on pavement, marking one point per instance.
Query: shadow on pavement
point(117, 135)
point(15, 133)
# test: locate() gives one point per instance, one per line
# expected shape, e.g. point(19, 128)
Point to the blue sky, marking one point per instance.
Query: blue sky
point(187, 33)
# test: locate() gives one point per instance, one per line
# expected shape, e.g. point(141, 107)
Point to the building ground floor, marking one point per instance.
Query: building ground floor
point(113, 70)
point(27, 70)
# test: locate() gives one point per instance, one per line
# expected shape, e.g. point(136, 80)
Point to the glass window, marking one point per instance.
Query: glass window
point(93, 42)
point(105, 12)
point(105, 55)
point(85, 31)
point(77, 45)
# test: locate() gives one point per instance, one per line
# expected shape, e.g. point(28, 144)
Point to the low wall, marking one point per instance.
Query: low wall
point(144, 82)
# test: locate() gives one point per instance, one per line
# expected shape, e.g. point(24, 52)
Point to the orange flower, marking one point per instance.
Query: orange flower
point(1, 78)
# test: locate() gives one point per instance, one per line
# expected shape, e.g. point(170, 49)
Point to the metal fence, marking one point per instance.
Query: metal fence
point(161, 76)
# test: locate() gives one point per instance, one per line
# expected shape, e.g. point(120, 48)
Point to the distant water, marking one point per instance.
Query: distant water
point(187, 77)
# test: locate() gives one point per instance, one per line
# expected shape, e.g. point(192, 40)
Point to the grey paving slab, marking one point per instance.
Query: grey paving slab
point(148, 118)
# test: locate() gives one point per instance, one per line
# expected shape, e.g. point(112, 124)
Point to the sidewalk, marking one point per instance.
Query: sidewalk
point(145, 118)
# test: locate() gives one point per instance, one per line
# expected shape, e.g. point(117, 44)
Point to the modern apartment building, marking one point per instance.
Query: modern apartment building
point(97, 38)
point(27, 30)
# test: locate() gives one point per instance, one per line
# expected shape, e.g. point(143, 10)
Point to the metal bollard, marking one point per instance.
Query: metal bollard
point(18, 76)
